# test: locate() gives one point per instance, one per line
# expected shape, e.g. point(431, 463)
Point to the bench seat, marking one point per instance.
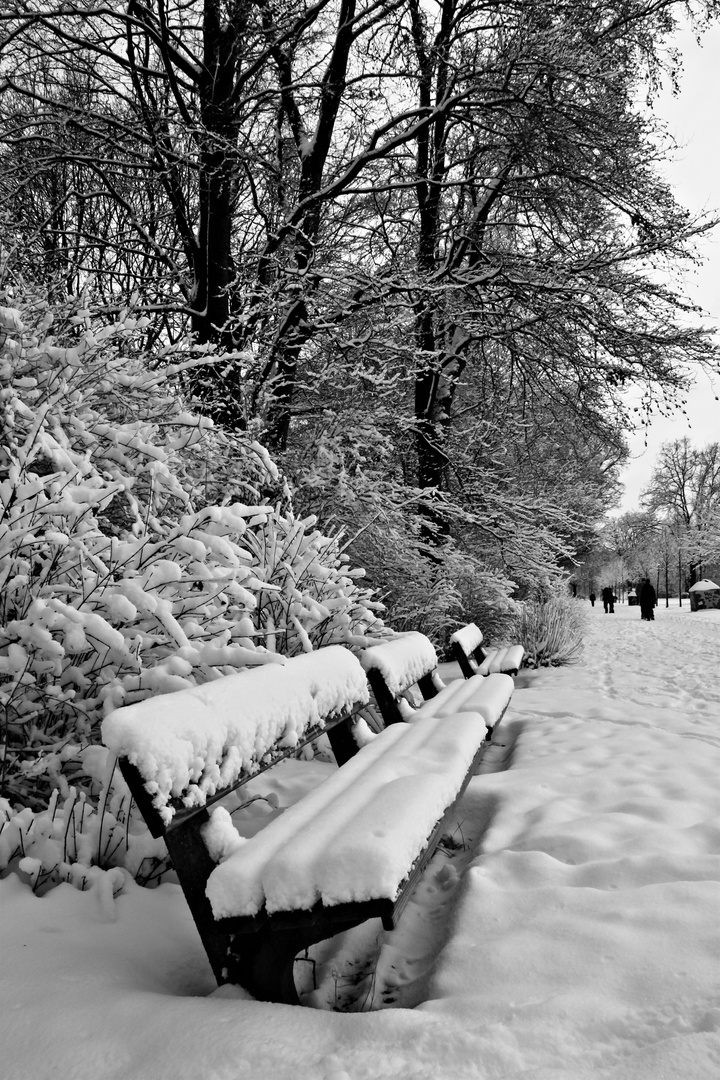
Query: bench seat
point(486, 695)
point(505, 660)
point(356, 836)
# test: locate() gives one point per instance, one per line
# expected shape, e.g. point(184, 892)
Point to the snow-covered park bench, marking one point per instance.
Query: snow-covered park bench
point(397, 669)
point(467, 648)
point(352, 848)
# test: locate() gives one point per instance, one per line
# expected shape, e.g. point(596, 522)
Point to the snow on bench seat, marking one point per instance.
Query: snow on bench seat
point(194, 742)
point(356, 836)
point(508, 659)
point(486, 695)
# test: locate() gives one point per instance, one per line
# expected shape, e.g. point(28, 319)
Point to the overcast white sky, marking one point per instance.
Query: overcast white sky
point(695, 176)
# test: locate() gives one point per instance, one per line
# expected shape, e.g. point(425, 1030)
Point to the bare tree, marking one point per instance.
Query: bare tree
point(684, 492)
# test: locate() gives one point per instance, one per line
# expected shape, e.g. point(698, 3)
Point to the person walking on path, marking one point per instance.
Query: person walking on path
point(648, 600)
point(608, 599)
point(592, 599)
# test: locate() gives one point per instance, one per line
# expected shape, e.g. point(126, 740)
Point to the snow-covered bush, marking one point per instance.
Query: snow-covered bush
point(82, 841)
point(141, 550)
point(551, 626)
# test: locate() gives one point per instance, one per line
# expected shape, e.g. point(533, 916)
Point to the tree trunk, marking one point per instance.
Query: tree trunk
point(213, 264)
point(294, 330)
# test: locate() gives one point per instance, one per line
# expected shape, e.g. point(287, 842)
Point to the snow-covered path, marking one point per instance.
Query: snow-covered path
point(597, 882)
point(573, 935)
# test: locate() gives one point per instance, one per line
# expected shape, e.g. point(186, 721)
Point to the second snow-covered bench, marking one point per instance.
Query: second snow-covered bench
point(467, 648)
point(407, 663)
point(351, 849)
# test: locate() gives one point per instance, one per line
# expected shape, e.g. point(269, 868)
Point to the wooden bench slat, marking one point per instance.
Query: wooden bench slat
point(317, 916)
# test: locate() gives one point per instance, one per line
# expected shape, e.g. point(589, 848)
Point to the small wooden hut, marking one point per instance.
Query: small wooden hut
point(704, 594)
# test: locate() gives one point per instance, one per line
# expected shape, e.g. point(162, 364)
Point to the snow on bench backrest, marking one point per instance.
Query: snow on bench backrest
point(468, 638)
point(194, 742)
point(401, 660)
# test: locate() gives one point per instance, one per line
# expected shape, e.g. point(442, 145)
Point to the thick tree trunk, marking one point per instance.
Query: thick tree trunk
point(213, 266)
point(288, 355)
point(433, 397)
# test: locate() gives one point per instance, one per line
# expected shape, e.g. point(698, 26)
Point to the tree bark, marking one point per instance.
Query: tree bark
point(213, 264)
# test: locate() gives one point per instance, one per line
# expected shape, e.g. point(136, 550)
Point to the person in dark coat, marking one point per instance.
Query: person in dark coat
point(648, 599)
point(592, 599)
point(608, 600)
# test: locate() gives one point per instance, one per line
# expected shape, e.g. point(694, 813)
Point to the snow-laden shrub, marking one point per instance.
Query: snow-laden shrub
point(551, 628)
point(141, 550)
point(87, 838)
point(82, 841)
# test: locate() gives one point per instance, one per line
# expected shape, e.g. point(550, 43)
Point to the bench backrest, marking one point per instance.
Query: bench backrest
point(397, 665)
point(467, 650)
point(182, 751)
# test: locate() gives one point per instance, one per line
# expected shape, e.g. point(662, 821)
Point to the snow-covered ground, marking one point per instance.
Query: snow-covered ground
point(569, 930)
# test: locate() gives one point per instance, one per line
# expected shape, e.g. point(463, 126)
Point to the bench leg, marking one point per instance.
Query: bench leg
point(342, 743)
point(263, 962)
point(263, 965)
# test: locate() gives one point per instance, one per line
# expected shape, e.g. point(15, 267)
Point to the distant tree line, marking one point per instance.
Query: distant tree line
point(674, 536)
